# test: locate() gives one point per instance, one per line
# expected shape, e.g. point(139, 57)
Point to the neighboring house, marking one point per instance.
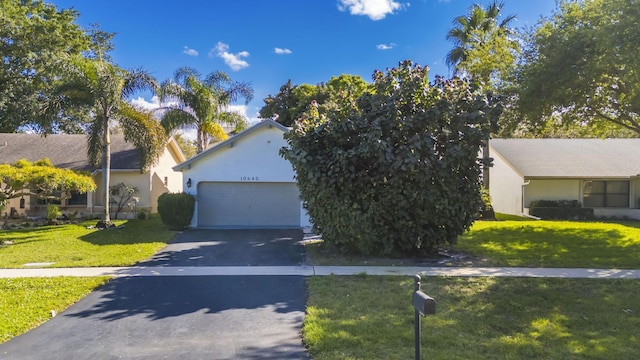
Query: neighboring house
point(600, 174)
point(70, 152)
point(244, 182)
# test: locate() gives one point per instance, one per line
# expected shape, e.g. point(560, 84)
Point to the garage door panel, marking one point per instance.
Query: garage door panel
point(227, 204)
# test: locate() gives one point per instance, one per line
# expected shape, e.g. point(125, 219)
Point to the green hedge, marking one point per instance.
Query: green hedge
point(555, 204)
point(562, 213)
point(176, 210)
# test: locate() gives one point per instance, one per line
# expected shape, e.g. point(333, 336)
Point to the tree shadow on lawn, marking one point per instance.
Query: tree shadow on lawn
point(540, 246)
point(129, 233)
point(478, 318)
point(537, 318)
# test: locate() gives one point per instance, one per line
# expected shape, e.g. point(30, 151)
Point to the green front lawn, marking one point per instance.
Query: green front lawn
point(520, 243)
point(78, 246)
point(554, 243)
point(28, 302)
point(365, 317)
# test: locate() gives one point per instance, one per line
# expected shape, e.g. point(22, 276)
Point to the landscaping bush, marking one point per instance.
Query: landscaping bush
point(176, 210)
point(53, 212)
point(555, 204)
point(559, 213)
point(397, 171)
point(560, 210)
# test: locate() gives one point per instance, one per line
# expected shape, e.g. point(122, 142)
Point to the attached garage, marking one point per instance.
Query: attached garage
point(250, 204)
point(244, 182)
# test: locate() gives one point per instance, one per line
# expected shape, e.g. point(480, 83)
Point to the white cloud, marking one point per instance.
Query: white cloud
point(145, 104)
point(189, 51)
point(234, 61)
point(374, 9)
point(284, 51)
point(385, 46)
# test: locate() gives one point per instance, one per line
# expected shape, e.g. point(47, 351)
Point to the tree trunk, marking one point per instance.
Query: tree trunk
point(485, 167)
point(106, 178)
point(201, 139)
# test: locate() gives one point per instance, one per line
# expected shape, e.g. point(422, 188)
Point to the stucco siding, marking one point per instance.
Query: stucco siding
point(163, 169)
point(552, 190)
point(250, 157)
point(505, 187)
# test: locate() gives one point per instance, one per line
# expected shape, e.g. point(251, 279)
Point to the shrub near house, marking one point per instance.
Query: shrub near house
point(397, 170)
point(176, 210)
point(560, 210)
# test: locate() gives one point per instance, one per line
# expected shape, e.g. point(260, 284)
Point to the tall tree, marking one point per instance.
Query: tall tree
point(581, 67)
point(483, 50)
point(292, 102)
point(202, 103)
point(397, 173)
point(34, 37)
point(483, 46)
point(103, 91)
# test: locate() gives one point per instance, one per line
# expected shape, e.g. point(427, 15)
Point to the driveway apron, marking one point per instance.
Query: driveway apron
point(186, 317)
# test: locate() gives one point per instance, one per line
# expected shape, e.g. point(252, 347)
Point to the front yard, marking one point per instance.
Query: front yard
point(520, 243)
point(370, 317)
point(80, 246)
point(367, 317)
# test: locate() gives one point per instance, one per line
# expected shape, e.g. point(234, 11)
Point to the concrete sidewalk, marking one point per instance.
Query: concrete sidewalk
point(136, 271)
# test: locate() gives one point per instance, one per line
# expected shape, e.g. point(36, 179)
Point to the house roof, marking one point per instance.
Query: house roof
point(64, 150)
point(570, 158)
point(268, 123)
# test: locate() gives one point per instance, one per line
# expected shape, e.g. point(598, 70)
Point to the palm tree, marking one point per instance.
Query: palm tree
point(99, 92)
point(481, 47)
point(202, 103)
point(474, 31)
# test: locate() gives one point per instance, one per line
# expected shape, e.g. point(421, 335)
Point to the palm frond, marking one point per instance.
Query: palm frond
point(94, 143)
point(137, 80)
point(175, 118)
point(185, 72)
point(142, 129)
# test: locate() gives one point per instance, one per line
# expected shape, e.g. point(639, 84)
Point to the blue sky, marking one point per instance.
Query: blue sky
point(267, 42)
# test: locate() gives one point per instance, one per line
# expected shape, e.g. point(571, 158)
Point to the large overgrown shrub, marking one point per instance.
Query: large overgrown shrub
point(176, 209)
point(397, 172)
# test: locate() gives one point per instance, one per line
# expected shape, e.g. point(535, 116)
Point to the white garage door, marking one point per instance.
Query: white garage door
point(252, 204)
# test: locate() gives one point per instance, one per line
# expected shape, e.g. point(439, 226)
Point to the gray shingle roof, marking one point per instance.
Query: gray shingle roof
point(570, 158)
point(64, 150)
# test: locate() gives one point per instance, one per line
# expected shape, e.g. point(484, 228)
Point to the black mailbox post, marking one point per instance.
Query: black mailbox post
point(424, 305)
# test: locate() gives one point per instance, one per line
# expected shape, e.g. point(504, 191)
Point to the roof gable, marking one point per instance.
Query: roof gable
point(570, 158)
point(230, 142)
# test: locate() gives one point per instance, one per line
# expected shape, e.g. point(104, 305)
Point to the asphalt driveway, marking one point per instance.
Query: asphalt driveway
point(186, 317)
point(267, 247)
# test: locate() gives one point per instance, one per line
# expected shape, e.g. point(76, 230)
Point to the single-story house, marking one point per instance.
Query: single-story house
point(243, 182)
point(603, 174)
point(69, 151)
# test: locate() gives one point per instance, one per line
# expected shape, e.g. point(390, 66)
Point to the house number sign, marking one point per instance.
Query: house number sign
point(249, 178)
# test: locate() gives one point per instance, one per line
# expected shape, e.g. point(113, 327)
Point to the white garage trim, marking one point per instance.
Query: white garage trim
point(248, 204)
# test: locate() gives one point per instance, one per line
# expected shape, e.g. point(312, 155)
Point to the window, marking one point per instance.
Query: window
point(606, 193)
point(77, 199)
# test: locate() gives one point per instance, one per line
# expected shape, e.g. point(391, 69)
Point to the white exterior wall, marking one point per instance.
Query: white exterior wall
point(164, 168)
point(552, 190)
point(505, 187)
point(254, 157)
